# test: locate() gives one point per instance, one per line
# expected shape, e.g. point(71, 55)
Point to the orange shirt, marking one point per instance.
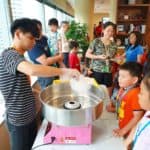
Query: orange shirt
point(129, 103)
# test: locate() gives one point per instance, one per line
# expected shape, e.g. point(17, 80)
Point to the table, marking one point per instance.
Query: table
point(102, 136)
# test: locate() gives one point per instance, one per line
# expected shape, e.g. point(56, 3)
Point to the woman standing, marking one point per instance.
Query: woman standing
point(100, 51)
point(135, 50)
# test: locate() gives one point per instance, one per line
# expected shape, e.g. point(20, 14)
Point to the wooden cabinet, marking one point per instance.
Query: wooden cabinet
point(133, 15)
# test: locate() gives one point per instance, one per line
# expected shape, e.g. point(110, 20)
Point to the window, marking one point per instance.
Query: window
point(23, 8)
point(64, 16)
point(5, 41)
point(28, 8)
point(16, 8)
point(59, 16)
point(52, 12)
point(5, 37)
point(49, 13)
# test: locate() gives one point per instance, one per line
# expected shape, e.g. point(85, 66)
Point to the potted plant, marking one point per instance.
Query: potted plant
point(78, 32)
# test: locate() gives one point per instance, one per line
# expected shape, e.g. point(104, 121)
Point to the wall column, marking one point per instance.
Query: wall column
point(84, 13)
point(113, 10)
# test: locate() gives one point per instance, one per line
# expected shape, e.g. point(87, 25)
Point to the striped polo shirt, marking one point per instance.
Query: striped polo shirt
point(16, 89)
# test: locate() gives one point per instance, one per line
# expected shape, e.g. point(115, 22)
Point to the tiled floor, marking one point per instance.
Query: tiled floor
point(102, 136)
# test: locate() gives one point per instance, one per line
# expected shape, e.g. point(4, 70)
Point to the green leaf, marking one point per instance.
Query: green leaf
point(78, 32)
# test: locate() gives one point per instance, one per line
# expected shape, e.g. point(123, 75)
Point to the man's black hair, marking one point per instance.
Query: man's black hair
point(38, 22)
point(135, 69)
point(53, 21)
point(73, 44)
point(26, 25)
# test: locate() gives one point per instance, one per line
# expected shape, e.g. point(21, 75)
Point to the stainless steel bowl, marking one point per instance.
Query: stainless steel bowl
point(81, 109)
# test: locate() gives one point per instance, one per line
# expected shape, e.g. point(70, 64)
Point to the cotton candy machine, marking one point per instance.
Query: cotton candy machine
point(71, 113)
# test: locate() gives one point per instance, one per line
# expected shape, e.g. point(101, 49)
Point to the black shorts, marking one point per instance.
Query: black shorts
point(103, 78)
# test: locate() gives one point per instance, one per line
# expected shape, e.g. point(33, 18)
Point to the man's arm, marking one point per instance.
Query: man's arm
point(44, 60)
point(45, 71)
point(137, 116)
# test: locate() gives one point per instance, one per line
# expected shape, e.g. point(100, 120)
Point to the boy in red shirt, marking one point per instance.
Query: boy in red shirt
point(129, 110)
point(74, 61)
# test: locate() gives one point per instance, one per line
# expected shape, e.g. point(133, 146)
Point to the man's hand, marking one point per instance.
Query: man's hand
point(60, 57)
point(69, 73)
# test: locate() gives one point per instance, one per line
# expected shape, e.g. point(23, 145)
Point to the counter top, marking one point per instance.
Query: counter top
point(102, 136)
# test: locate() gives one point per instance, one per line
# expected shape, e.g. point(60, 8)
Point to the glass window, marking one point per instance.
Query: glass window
point(49, 13)
point(5, 41)
point(5, 37)
point(24, 8)
point(16, 9)
point(21, 8)
point(64, 16)
point(59, 16)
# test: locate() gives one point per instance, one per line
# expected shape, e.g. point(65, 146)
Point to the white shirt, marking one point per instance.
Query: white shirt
point(65, 43)
point(143, 139)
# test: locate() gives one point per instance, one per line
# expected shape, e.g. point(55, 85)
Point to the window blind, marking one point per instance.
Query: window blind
point(16, 8)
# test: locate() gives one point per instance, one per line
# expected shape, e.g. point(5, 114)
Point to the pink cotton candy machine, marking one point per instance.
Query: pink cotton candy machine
point(70, 114)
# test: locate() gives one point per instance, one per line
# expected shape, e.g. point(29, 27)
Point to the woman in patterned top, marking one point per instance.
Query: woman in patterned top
point(101, 51)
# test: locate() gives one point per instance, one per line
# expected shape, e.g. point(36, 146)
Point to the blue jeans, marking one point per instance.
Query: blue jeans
point(22, 137)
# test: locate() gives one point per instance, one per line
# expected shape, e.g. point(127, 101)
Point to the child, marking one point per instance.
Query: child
point(40, 54)
point(142, 133)
point(54, 40)
point(129, 110)
point(64, 42)
point(73, 58)
point(118, 42)
point(53, 37)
